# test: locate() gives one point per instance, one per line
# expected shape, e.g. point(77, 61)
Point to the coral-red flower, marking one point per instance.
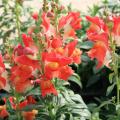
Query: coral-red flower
point(73, 19)
point(2, 82)
point(73, 52)
point(97, 24)
point(3, 112)
point(65, 72)
point(2, 69)
point(20, 77)
point(35, 16)
point(99, 52)
point(25, 60)
point(27, 115)
point(47, 87)
point(56, 43)
point(45, 22)
point(116, 26)
point(2, 66)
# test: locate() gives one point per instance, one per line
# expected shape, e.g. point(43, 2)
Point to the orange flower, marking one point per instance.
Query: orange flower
point(21, 87)
point(25, 60)
point(99, 52)
point(29, 43)
point(2, 66)
point(56, 43)
point(97, 24)
point(103, 37)
point(20, 77)
point(76, 56)
point(73, 18)
point(73, 52)
point(2, 82)
point(65, 72)
point(53, 63)
point(98, 33)
point(3, 112)
point(116, 26)
point(47, 87)
point(30, 115)
point(2, 69)
point(70, 23)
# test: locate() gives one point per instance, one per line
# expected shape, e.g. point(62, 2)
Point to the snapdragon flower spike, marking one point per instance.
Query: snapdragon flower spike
point(98, 30)
point(55, 56)
point(98, 34)
point(2, 69)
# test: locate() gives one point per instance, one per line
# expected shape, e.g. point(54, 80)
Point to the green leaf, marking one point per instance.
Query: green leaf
point(86, 45)
point(111, 78)
point(33, 91)
point(110, 89)
point(76, 79)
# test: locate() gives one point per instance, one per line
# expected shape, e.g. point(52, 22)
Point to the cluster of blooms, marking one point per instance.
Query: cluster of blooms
point(51, 56)
point(46, 54)
point(27, 115)
point(100, 34)
point(40, 61)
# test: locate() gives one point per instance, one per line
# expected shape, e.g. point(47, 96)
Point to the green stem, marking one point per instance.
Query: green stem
point(18, 113)
point(50, 107)
point(17, 17)
point(56, 16)
point(115, 67)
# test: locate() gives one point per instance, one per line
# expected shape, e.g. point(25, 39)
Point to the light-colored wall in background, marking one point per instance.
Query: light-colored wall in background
point(78, 4)
point(81, 4)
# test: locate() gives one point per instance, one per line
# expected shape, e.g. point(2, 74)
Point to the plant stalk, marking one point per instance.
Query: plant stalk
point(17, 12)
point(115, 67)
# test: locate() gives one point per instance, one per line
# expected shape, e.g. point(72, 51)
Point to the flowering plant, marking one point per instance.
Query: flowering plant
point(37, 70)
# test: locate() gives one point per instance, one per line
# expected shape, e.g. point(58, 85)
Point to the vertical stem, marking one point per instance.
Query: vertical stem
point(17, 12)
point(17, 103)
point(17, 17)
point(115, 67)
point(55, 9)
